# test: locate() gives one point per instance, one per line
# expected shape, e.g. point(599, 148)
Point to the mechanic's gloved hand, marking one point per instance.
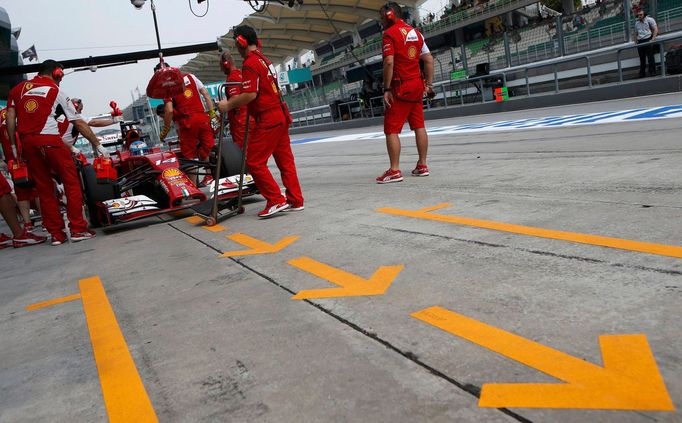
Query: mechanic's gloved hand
point(74, 151)
point(103, 151)
point(164, 132)
point(215, 119)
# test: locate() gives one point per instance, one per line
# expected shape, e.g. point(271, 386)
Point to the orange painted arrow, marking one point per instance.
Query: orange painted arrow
point(351, 285)
point(257, 246)
point(629, 379)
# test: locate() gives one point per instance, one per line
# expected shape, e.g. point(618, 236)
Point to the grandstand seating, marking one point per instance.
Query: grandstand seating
point(603, 25)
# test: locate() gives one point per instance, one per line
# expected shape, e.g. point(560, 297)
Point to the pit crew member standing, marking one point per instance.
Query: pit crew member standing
point(31, 111)
point(403, 47)
point(191, 121)
point(236, 116)
point(69, 132)
point(270, 134)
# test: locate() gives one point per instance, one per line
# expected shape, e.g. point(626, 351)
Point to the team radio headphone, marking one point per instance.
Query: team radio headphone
point(57, 73)
point(389, 14)
point(241, 42)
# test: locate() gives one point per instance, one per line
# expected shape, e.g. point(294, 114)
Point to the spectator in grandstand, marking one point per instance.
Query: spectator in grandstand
point(645, 30)
point(192, 122)
point(403, 48)
point(237, 116)
point(24, 196)
point(31, 112)
point(21, 237)
point(270, 134)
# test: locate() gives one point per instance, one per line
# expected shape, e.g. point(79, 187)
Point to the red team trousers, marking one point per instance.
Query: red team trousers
point(270, 137)
point(44, 156)
point(196, 136)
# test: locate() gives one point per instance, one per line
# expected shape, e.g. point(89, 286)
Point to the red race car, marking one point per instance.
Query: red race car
point(150, 181)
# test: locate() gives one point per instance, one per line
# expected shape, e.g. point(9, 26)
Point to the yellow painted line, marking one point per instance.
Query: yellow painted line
point(195, 220)
point(215, 228)
point(622, 244)
point(48, 303)
point(257, 246)
point(629, 379)
point(124, 394)
point(351, 285)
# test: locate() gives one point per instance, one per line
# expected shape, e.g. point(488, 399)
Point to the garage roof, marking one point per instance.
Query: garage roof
point(285, 31)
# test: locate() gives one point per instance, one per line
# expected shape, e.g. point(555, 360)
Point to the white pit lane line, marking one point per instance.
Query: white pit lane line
point(631, 115)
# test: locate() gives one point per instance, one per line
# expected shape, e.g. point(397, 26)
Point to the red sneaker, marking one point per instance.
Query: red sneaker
point(27, 238)
point(421, 170)
point(82, 236)
point(5, 241)
point(390, 176)
point(271, 210)
point(58, 239)
point(294, 208)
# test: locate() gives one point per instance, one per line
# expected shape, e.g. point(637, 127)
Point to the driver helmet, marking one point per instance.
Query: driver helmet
point(138, 148)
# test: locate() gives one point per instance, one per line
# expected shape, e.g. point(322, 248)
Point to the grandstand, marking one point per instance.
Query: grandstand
point(491, 35)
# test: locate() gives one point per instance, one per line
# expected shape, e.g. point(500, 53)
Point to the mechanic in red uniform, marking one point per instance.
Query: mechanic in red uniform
point(236, 116)
point(24, 196)
point(191, 121)
point(404, 89)
point(32, 109)
point(270, 133)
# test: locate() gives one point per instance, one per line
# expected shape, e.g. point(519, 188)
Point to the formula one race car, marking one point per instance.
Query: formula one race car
point(150, 181)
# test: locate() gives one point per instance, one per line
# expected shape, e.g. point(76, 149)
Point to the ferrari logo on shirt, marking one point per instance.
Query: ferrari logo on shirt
point(28, 86)
point(274, 88)
point(412, 52)
point(188, 93)
point(404, 31)
point(31, 106)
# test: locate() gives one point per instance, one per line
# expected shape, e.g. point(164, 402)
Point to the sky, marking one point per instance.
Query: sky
point(70, 29)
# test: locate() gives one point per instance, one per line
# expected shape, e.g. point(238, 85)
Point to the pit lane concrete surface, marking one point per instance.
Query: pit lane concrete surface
point(548, 289)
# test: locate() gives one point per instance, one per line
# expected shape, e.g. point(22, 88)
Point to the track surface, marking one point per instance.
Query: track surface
point(221, 339)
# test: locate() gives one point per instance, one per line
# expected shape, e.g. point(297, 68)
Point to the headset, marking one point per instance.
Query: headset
point(57, 74)
point(389, 14)
point(241, 41)
point(227, 66)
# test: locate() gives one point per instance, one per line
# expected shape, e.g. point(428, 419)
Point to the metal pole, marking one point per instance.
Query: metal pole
point(507, 50)
point(560, 35)
point(628, 19)
point(156, 28)
point(464, 59)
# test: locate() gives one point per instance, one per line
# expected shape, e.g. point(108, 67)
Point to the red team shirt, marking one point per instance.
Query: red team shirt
point(189, 102)
point(236, 116)
point(258, 75)
point(38, 102)
point(407, 45)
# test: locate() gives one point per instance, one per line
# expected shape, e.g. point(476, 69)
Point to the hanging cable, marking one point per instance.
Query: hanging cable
point(189, 2)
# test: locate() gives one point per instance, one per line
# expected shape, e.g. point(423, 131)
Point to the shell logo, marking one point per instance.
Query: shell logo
point(412, 52)
point(171, 172)
point(31, 106)
point(188, 93)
